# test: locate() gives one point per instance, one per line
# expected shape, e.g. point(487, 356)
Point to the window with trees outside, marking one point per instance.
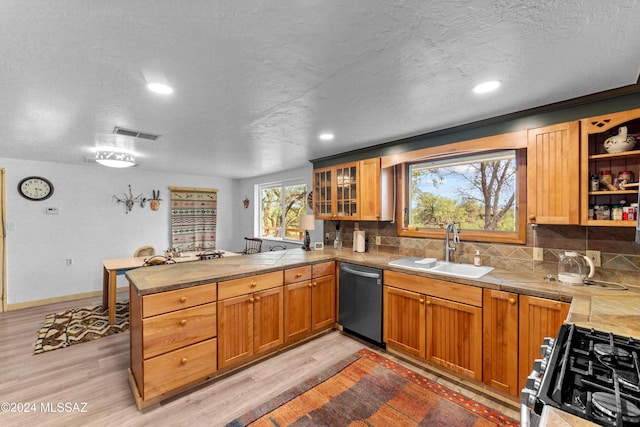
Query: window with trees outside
point(479, 193)
point(281, 206)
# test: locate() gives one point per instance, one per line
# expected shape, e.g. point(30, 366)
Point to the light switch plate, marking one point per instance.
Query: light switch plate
point(595, 257)
point(538, 254)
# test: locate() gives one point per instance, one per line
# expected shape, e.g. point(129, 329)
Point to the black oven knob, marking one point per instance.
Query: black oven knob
point(533, 382)
point(540, 365)
point(546, 347)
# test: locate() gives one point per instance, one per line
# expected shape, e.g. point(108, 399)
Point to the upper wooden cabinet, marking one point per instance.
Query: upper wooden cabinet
point(595, 158)
point(553, 168)
point(353, 191)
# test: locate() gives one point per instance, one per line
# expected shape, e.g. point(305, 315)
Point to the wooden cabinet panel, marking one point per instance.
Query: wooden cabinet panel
point(500, 341)
point(235, 330)
point(553, 168)
point(539, 318)
point(177, 368)
point(454, 336)
point(323, 302)
point(176, 329)
point(404, 320)
point(375, 191)
point(297, 310)
point(246, 285)
point(268, 329)
point(165, 302)
point(439, 288)
point(299, 274)
point(323, 269)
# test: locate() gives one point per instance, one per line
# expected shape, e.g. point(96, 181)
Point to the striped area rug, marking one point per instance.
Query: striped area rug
point(367, 389)
point(80, 325)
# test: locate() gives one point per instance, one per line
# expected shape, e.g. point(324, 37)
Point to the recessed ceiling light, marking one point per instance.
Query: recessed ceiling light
point(487, 86)
point(326, 137)
point(160, 88)
point(114, 159)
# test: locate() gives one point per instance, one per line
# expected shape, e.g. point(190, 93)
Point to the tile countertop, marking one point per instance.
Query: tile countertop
point(615, 311)
point(603, 309)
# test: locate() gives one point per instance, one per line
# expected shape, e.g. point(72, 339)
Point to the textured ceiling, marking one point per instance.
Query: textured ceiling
point(256, 82)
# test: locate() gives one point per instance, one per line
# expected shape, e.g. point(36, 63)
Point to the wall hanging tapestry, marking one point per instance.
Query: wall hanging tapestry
point(80, 325)
point(370, 390)
point(193, 218)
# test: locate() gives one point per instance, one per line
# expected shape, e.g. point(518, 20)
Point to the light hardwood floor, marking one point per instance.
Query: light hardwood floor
point(95, 374)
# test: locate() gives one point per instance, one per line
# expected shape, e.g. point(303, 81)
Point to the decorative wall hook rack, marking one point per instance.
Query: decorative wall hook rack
point(129, 201)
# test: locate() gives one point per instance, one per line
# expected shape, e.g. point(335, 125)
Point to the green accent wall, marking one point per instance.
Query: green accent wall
point(622, 99)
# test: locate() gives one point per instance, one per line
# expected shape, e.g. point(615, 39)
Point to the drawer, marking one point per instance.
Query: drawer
point(299, 274)
point(170, 331)
point(247, 285)
point(465, 294)
point(323, 269)
point(179, 368)
point(165, 302)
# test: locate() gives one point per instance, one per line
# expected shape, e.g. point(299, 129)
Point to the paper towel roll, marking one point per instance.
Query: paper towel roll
point(358, 237)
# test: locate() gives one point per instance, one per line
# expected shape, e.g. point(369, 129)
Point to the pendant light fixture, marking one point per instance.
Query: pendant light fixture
point(114, 159)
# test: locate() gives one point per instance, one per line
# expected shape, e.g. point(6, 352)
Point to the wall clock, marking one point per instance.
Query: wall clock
point(35, 188)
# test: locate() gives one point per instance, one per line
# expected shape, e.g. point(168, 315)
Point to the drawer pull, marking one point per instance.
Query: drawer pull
point(253, 284)
point(183, 361)
point(299, 275)
point(183, 322)
point(512, 301)
point(183, 299)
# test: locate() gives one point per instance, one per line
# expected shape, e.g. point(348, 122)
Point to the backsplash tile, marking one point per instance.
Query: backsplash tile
point(620, 255)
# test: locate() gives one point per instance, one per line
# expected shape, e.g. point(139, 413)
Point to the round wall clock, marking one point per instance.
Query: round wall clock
point(35, 188)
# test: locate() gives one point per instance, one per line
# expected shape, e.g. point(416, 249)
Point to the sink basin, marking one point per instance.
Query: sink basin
point(467, 271)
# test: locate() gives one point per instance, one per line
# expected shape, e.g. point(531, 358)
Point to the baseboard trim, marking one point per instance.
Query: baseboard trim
point(73, 297)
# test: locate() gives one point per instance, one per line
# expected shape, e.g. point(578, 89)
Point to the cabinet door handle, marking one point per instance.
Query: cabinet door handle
point(428, 302)
point(310, 285)
point(315, 284)
point(532, 217)
point(183, 299)
point(183, 361)
point(256, 298)
point(512, 300)
point(421, 300)
point(251, 300)
point(183, 322)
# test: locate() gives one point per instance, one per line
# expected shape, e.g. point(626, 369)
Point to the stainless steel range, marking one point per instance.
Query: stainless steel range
point(590, 374)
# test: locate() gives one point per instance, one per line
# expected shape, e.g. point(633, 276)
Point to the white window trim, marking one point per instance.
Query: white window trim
point(257, 208)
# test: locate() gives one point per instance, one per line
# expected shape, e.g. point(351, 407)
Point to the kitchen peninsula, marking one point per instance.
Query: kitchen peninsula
point(180, 317)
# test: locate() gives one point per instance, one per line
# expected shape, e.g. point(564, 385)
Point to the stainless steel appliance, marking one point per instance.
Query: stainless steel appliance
point(591, 374)
point(360, 302)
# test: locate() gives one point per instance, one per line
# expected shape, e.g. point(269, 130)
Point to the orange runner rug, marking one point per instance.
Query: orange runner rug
point(367, 389)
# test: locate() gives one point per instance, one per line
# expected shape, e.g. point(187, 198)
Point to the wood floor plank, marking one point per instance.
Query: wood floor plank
point(95, 373)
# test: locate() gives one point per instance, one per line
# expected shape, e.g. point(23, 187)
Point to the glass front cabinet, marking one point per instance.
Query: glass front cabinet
point(335, 192)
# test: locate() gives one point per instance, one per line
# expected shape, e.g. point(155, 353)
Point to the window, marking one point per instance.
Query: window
point(480, 193)
point(281, 206)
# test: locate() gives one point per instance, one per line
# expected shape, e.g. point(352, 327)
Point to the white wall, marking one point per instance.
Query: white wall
point(246, 218)
point(91, 226)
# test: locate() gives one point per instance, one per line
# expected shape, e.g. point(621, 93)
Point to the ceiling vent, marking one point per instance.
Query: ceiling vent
point(136, 134)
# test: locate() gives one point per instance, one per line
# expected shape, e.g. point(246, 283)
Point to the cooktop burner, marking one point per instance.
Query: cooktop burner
point(594, 375)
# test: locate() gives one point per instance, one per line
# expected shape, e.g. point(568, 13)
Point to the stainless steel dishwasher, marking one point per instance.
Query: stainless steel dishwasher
point(360, 302)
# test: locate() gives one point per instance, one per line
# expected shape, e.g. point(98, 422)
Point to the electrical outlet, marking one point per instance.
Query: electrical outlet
point(538, 254)
point(69, 261)
point(595, 257)
point(378, 240)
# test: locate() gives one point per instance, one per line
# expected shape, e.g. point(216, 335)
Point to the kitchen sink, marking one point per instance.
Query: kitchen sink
point(430, 265)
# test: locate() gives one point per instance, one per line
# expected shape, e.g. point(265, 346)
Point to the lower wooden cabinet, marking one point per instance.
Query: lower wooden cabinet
point(500, 327)
point(173, 341)
point(539, 318)
point(446, 332)
point(248, 325)
point(454, 336)
point(404, 321)
point(309, 300)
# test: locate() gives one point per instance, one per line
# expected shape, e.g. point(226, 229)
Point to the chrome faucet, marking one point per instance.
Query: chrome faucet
point(447, 242)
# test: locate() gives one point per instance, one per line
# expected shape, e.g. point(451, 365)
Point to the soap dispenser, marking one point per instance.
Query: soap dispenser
point(477, 261)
